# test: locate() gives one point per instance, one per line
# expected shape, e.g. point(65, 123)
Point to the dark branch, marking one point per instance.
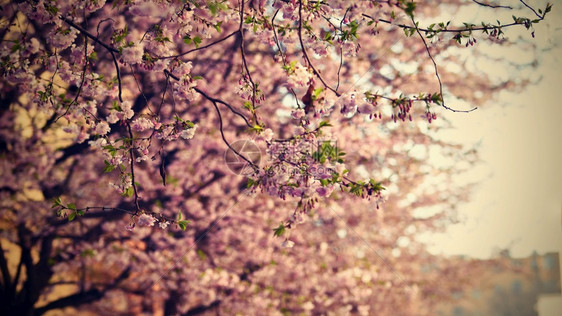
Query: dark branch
point(201, 47)
point(437, 73)
point(245, 62)
point(495, 6)
point(202, 308)
point(132, 157)
point(6, 278)
point(306, 54)
point(90, 35)
point(214, 102)
point(111, 50)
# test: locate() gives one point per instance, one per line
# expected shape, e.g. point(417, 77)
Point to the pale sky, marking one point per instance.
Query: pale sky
point(518, 203)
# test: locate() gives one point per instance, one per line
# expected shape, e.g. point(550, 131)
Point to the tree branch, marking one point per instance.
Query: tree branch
point(202, 308)
point(71, 300)
point(306, 54)
point(132, 157)
point(214, 102)
point(110, 49)
point(201, 47)
point(245, 63)
point(6, 278)
point(495, 6)
point(437, 72)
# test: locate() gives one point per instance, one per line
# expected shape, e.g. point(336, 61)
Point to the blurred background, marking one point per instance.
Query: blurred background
point(516, 205)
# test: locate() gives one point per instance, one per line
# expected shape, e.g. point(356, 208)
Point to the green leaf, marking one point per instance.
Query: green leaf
point(179, 215)
point(71, 206)
point(279, 231)
point(216, 6)
point(87, 253)
point(183, 224)
point(257, 128)
point(109, 167)
point(251, 183)
point(324, 123)
point(71, 216)
point(52, 10)
point(316, 93)
point(56, 202)
point(187, 39)
point(201, 254)
point(197, 40)
point(218, 26)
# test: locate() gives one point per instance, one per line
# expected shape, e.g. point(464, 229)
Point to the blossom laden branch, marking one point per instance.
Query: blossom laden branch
point(306, 54)
point(110, 49)
point(132, 162)
point(201, 47)
point(442, 101)
point(468, 27)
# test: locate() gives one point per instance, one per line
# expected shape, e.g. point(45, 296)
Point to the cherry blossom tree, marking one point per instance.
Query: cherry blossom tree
point(117, 117)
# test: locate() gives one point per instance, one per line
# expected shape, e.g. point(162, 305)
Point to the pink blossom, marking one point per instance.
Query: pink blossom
point(126, 106)
point(62, 38)
point(112, 118)
point(188, 133)
point(141, 124)
point(340, 167)
point(347, 104)
point(268, 134)
point(325, 191)
point(34, 46)
point(365, 108)
point(102, 128)
point(145, 9)
point(98, 143)
point(299, 76)
point(133, 54)
point(183, 69)
point(297, 114)
point(146, 220)
point(287, 243)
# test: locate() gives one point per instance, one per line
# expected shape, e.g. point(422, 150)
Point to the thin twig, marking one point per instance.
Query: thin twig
point(94, 38)
point(437, 73)
point(480, 28)
point(495, 6)
point(140, 90)
point(225, 104)
point(245, 63)
point(306, 55)
point(200, 47)
point(283, 57)
point(132, 157)
point(111, 50)
point(81, 82)
point(230, 107)
point(530, 8)
point(168, 74)
point(214, 102)
point(339, 68)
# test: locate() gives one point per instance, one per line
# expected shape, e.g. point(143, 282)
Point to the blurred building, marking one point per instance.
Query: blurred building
point(516, 287)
